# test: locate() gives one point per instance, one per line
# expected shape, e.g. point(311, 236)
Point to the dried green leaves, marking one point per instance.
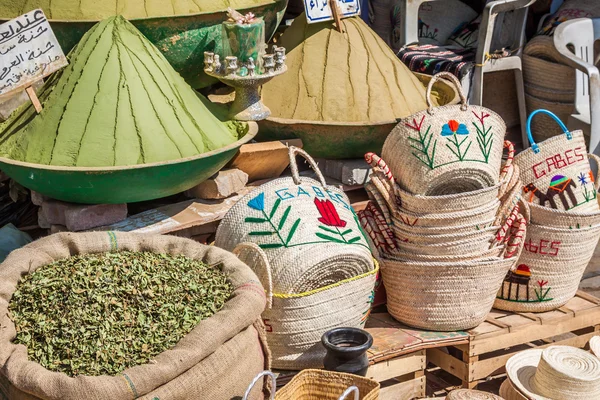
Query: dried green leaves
point(100, 314)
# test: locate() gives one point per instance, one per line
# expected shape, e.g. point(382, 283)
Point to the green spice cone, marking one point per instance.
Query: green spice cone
point(119, 102)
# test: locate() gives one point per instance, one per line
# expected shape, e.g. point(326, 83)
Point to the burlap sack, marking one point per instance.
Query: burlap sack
point(549, 269)
point(216, 360)
point(308, 230)
point(556, 173)
point(448, 149)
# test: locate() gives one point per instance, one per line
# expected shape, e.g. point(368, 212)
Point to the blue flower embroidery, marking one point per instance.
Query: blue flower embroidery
point(454, 128)
point(258, 203)
point(582, 178)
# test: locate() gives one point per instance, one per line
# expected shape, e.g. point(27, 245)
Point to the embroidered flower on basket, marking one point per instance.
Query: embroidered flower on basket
point(258, 203)
point(329, 215)
point(454, 128)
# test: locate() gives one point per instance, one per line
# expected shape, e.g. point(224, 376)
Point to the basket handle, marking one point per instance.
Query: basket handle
point(510, 147)
point(254, 248)
point(517, 237)
point(597, 160)
point(294, 166)
point(502, 236)
point(534, 145)
point(453, 79)
point(257, 378)
point(347, 392)
point(375, 161)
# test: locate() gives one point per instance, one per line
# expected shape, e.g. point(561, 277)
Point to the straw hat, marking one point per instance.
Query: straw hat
point(557, 373)
point(595, 345)
point(508, 391)
point(467, 394)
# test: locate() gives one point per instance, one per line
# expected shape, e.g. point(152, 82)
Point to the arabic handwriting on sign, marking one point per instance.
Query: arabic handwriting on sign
point(324, 5)
point(40, 31)
point(7, 50)
point(8, 34)
point(22, 26)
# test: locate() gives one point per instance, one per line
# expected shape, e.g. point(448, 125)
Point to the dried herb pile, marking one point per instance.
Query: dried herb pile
point(100, 314)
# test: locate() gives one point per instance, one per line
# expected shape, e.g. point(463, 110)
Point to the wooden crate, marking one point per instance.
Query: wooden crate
point(504, 334)
point(398, 355)
point(401, 378)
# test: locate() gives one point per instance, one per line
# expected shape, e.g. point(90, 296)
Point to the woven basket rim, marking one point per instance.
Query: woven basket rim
point(331, 286)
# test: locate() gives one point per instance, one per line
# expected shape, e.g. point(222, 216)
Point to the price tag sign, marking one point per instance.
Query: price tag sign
point(29, 52)
point(320, 10)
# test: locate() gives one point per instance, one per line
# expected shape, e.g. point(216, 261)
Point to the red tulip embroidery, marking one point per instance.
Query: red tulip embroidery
point(329, 215)
point(331, 218)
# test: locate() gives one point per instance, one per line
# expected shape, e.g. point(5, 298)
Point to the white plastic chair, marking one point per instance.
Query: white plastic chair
point(492, 24)
point(581, 33)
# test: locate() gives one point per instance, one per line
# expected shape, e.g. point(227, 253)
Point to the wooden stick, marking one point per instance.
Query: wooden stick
point(337, 14)
point(34, 99)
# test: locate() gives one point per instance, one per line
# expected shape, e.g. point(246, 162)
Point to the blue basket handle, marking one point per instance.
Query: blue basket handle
point(534, 146)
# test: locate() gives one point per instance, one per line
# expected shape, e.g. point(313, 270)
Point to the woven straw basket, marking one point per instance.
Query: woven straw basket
point(476, 216)
point(306, 245)
point(308, 230)
point(295, 322)
point(442, 230)
point(481, 235)
point(443, 296)
point(548, 80)
point(384, 181)
point(549, 269)
point(315, 384)
point(556, 172)
point(470, 394)
point(562, 219)
point(454, 248)
point(448, 149)
point(399, 255)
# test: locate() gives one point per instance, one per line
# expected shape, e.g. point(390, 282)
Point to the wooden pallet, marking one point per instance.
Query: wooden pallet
point(401, 378)
point(504, 334)
point(398, 355)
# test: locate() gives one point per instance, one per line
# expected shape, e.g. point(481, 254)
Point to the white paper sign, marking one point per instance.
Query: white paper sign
point(319, 10)
point(29, 51)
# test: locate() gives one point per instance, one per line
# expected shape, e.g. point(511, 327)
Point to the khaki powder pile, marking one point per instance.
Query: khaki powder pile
point(343, 77)
point(95, 10)
point(118, 103)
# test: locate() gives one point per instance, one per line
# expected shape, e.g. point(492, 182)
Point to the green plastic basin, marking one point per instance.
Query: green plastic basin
point(128, 184)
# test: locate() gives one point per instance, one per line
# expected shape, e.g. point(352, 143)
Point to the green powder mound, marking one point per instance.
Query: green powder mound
point(95, 10)
point(346, 77)
point(118, 103)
